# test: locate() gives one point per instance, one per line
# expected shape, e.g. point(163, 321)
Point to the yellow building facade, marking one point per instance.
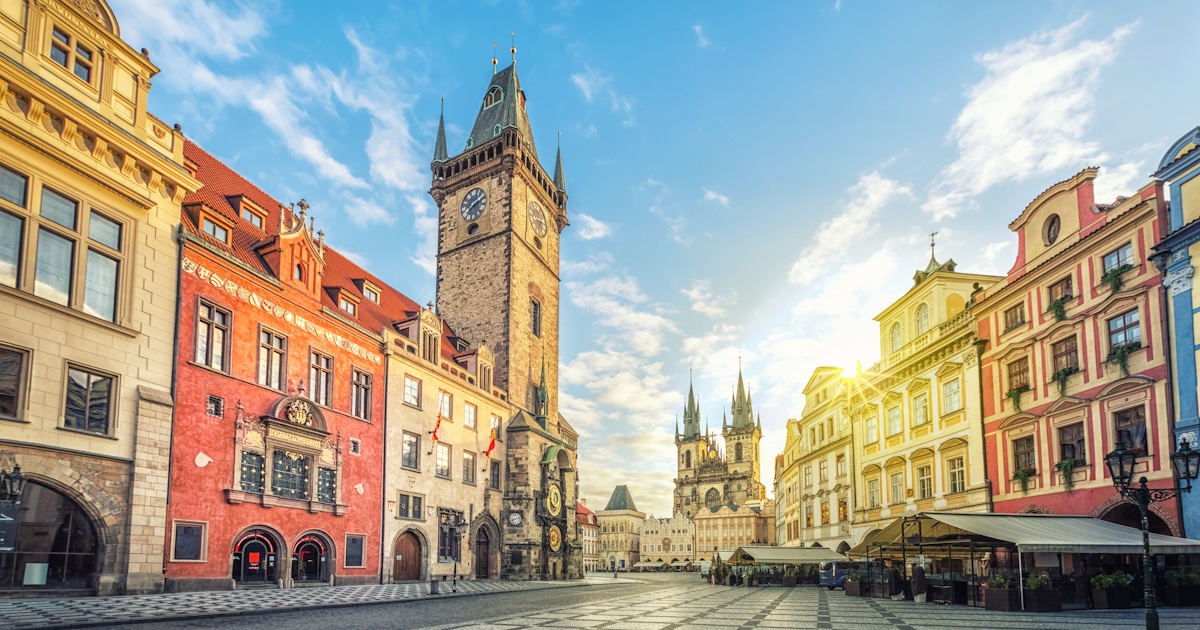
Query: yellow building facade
point(728, 527)
point(90, 192)
point(916, 420)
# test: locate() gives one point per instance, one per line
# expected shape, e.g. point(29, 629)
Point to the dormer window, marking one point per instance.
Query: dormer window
point(348, 305)
point(370, 292)
point(70, 54)
point(298, 273)
point(214, 229)
point(253, 217)
point(494, 95)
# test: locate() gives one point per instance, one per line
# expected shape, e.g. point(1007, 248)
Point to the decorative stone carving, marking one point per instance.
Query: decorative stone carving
point(1180, 281)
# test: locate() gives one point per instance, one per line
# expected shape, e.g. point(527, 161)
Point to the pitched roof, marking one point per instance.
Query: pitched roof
point(620, 500)
point(508, 112)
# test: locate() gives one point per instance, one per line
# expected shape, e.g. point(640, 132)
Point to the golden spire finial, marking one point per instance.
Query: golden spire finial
point(493, 57)
point(513, 50)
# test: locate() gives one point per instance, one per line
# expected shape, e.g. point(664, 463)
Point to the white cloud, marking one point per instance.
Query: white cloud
point(364, 212)
point(701, 40)
point(835, 236)
point(596, 85)
point(703, 300)
point(425, 225)
point(218, 34)
point(613, 301)
point(595, 263)
point(1027, 117)
point(713, 353)
point(712, 195)
point(1121, 181)
point(592, 228)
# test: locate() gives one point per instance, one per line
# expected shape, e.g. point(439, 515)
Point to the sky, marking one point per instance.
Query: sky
point(748, 183)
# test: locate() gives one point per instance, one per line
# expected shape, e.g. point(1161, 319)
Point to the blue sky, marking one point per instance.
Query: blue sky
point(755, 182)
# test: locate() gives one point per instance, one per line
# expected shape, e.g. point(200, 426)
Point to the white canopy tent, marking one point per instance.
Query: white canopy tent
point(784, 555)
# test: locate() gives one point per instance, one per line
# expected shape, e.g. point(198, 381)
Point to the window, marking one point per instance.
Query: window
point(896, 488)
point(924, 482)
point(841, 465)
point(1124, 329)
point(355, 446)
point(920, 409)
point(252, 217)
point(410, 451)
point(1014, 317)
point(951, 396)
point(360, 394)
point(496, 428)
point(956, 474)
point(872, 430)
point(1131, 428)
point(320, 378)
point(1023, 456)
point(190, 539)
point(1119, 258)
point(823, 471)
point(12, 382)
point(212, 335)
point(10, 240)
point(1066, 355)
point(824, 513)
point(843, 511)
point(896, 338)
point(872, 493)
point(290, 473)
point(895, 423)
point(1071, 443)
point(254, 467)
point(354, 550)
point(412, 391)
point(214, 407)
point(494, 95)
point(808, 517)
point(494, 478)
point(271, 352)
point(445, 405)
point(298, 272)
point(448, 536)
point(410, 506)
point(469, 413)
point(348, 306)
point(922, 319)
point(89, 401)
point(808, 477)
point(371, 293)
point(67, 52)
point(215, 230)
point(442, 465)
point(1061, 290)
point(468, 467)
point(535, 317)
point(1018, 373)
point(326, 485)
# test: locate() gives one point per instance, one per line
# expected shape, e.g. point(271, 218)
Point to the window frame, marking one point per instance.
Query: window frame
point(535, 317)
point(948, 408)
point(1073, 435)
point(412, 391)
point(207, 220)
point(1013, 374)
point(469, 456)
point(1122, 255)
point(203, 525)
point(1014, 317)
point(1024, 458)
point(361, 394)
point(416, 465)
point(871, 429)
point(897, 490)
point(21, 383)
point(363, 555)
point(410, 501)
point(348, 305)
point(438, 466)
point(1120, 427)
point(315, 369)
point(898, 418)
point(281, 353)
point(1064, 353)
point(921, 410)
point(70, 52)
point(113, 398)
point(211, 326)
point(874, 494)
point(1063, 289)
point(1125, 326)
point(495, 474)
point(925, 487)
point(470, 416)
point(446, 405)
point(956, 475)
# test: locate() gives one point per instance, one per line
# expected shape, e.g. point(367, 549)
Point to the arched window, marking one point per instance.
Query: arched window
point(922, 319)
point(52, 529)
point(687, 457)
point(494, 95)
point(298, 272)
point(896, 338)
point(737, 449)
point(712, 498)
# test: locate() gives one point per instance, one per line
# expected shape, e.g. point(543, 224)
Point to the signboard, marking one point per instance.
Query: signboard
point(8, 526)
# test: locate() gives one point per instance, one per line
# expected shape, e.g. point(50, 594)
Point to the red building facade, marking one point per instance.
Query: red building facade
point(277, 451)
point(1075, 357)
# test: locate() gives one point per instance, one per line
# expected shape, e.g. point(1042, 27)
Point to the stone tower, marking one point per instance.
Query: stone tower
point(742, 437)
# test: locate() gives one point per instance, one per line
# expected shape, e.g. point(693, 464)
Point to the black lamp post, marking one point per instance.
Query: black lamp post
point(460, 530)
point(12, 484)
point(1120, 462)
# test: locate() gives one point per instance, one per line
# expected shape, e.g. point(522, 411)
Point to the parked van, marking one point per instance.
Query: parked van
point(834, 574)
point(705, 569)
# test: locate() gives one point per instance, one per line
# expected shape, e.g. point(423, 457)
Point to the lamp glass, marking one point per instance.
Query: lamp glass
point(1120, 465)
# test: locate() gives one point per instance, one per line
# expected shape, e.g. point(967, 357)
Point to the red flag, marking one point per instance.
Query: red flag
point(492, 445)
point(436, 427)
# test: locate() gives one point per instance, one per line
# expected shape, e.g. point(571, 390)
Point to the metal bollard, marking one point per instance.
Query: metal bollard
point(433, 587)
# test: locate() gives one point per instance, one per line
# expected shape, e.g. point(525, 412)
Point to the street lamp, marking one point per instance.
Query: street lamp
point(1120, 462)
point(460, 525)
point(11, 485)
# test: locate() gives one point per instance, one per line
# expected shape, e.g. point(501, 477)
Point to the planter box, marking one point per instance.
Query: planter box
point(1181, 595)
point(789, 581)
point(1112, 598)
point(1043, 600)
point(1002, 599)
point(853, 589)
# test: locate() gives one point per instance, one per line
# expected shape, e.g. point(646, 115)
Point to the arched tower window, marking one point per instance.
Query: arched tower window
point(494, 95)
point(687, 459)
point(922, 319)
point(896, 338)
point(737, 450)
point(298, 272)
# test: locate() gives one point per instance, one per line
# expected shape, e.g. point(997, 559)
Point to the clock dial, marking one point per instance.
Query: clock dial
point(537, 217)
point(554, 501)
point(514, 518)
point(473, 204)
point(554, 538)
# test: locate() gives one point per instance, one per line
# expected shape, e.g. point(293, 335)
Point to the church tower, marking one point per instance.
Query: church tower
point(742, 437)
point(500, 215)
point(692, 447)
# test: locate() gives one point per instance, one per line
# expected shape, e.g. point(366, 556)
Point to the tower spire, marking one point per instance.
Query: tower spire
point(439, 148)
point(560, 181)
point(513, 50)
point(494, 58)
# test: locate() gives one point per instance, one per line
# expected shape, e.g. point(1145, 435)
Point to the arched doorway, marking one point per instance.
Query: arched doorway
point(255, 558)
point(406, 560)
point(1127, 514)
point(483, 553)
point(56, 546)
point(843, 547)
point(310, 560)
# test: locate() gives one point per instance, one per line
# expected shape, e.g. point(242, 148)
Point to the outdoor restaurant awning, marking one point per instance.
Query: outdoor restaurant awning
point(680, 564)
point(722, 557)
point(1028, 532)
point(784, 555)
point(643, 565)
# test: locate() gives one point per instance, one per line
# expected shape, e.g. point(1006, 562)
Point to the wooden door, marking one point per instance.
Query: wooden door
point(406, 561)
point(483, 552)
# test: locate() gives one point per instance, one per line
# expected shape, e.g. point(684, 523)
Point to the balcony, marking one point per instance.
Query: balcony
point(944, 329)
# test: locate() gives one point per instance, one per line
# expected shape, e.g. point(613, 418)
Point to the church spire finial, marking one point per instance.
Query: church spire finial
point(513, 50)
point(439, 148)
point(560, 180)
point(494, 62)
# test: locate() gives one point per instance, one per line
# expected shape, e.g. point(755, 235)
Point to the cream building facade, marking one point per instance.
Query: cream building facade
point(589, 537)
point(731, 526)
point(668, 540)
point(917, 424)
point(620, 532)
point(90, 191)
point(823, 460)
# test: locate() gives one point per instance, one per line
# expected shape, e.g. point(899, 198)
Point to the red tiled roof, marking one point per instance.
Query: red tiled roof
point(221, 185)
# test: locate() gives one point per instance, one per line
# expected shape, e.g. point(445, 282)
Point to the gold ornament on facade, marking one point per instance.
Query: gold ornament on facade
point(299, 412)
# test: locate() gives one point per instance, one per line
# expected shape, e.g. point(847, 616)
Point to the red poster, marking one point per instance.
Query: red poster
point(253, 557)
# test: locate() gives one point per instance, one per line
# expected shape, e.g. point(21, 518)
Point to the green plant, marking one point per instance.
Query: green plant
point(1037, 581)
point(789, 574)
point(857, 576)
point(1191, 579)
point(1060, 377)
point(997, 581)
point(1112, 277)
point(1022, 476)
point(1120, 355)
point(1058, 308)
point(1067, 468)
point(1110, 580)
point(1172, 577)
point(1014, 395)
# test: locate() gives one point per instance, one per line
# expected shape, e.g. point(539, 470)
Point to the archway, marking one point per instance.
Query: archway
point(56, 546)
point(483, 554)
point(843, 547)
point(256, 558)
point(1127, 514)
point(312, 555)
point(407, 557)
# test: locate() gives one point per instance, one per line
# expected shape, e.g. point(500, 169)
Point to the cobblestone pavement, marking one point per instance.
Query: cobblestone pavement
point(79, 612)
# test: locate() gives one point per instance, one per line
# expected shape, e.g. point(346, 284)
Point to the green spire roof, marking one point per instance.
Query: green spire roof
point(620, 500)
point(507, 109)
point(560, 181)
point(439, 149)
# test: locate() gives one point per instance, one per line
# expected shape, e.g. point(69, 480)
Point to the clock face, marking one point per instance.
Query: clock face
point(538, 218)
point(514, 518)
point(473, 204)
point(554, 501)
point(554, 537)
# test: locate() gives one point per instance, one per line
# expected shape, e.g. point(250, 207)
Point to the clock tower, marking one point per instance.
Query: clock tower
point(500, 215)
